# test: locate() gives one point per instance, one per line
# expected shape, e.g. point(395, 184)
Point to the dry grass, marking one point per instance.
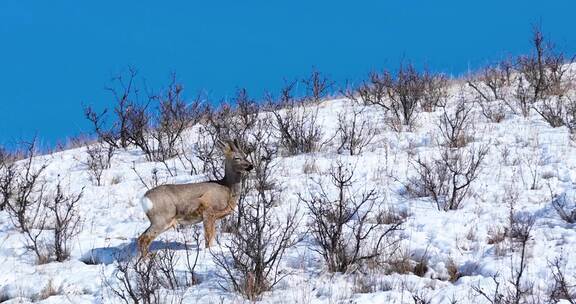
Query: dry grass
point(48, 291)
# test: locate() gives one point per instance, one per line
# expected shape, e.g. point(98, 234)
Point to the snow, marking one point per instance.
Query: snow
point(112, 217)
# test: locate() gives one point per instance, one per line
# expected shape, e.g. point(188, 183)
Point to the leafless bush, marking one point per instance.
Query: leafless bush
point(408, 89)
point(446, 179)
point(158, 133)
point(492, 89)
point(209, 154)
point(493, 82)
point(155, 125)
point(566, 208)
point(521, 233)
point(65, 219)
point(250, 262)
point(523, 99)
point(191, 239)
point(156, 179)
point(532, 158)
point(126, 95)
point(545, 80)
point(435, 91)
point(570, 117)
point(555, 110)
point(374, 91)
point(297, 126)
point(34, 210)
point(7, 176)
point(317, 86)
point(561, 289)
point(344, 227)
point(405, 90)
point(235, 121)
point(226, 122)
point(137, 281)
point(99, 159)
point(454, 127)
point(155, 279)
point(24, 201)
point(516, 290)
point(354, 131)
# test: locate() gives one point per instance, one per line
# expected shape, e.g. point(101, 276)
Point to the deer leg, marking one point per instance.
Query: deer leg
point(149, 235)
point(209, 228)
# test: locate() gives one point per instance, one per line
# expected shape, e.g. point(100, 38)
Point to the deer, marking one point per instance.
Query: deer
point(188, 204)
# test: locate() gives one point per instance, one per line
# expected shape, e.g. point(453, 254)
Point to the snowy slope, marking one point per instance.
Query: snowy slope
point(112, 218)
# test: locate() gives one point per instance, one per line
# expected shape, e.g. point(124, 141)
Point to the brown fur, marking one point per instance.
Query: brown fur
point(197, 202)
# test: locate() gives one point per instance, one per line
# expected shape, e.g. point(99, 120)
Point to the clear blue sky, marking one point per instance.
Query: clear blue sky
point(57, 55)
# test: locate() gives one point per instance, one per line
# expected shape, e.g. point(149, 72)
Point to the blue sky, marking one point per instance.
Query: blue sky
point(57, 55)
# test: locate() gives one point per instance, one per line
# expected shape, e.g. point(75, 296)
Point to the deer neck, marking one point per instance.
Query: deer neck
point(232, 180)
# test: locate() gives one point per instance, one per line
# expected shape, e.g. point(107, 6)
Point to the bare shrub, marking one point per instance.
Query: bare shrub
point(547, 80)
point(493, 82)
point(136, 281)
point(158, 133)
point(532, 158)
point(561, 289)
point(296, 124)
point(125, 94)
point(317, 86)
point(555, 110)
point(25, 202)
point(208, 153)
point(492, 90)
point(496, 235)
point(155, 279)
point(374, 91)
point(250, 261)
point(446, 179)
point(156, 178)
point(566, 208)
point(354, 131)
point(523, 98)
point(154, 124)
point(7, 176)
point(455, 126)
point(99, 159)
point(34, 210)
point(187, 157)
point(63, 210)
point(435, 91)
point(222, 124)
point(516, 290)
point(407, 89)
point(521, 233)
point(344, 227)
point(234, 121)
point(421, 298)
point(570, 117)
point(191, 239)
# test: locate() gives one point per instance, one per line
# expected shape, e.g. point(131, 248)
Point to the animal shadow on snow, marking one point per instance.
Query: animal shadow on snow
point(123, 252)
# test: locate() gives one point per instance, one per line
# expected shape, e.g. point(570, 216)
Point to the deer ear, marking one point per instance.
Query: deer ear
point(229, 144)
point(224, 146)
point(236, 145)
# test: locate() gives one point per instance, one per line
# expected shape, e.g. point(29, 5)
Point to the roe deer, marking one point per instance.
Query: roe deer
point(168, 205)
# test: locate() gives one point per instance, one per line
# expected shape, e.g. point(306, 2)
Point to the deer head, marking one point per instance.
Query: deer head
point(236, 162)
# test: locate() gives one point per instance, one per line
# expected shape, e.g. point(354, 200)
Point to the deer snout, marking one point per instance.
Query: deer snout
point(249, 167)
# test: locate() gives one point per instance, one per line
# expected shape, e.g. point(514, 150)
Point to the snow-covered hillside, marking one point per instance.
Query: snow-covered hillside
point(459, 251)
